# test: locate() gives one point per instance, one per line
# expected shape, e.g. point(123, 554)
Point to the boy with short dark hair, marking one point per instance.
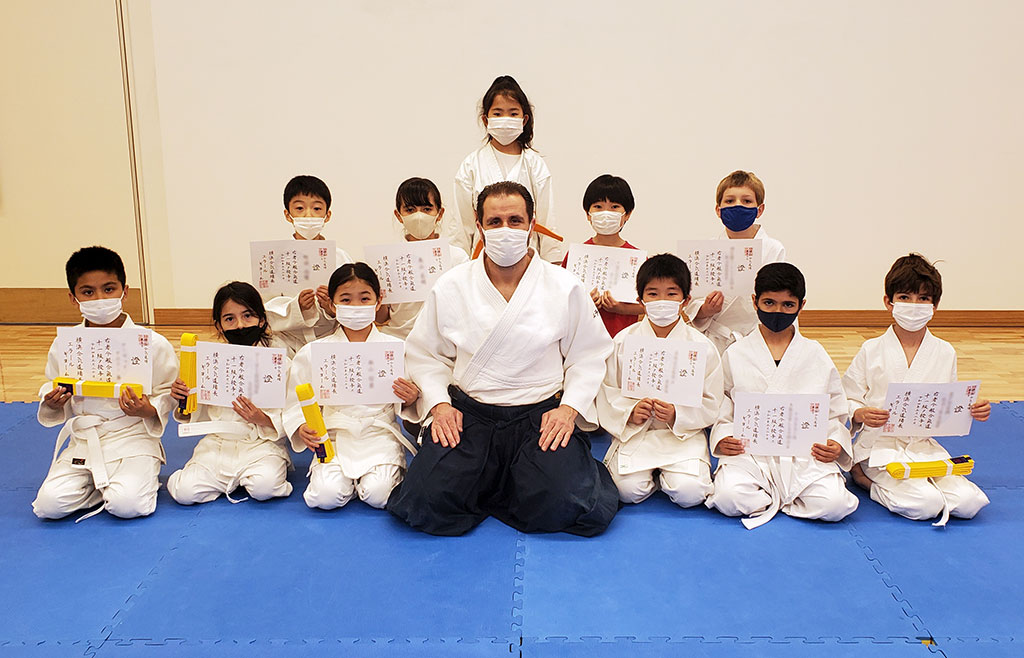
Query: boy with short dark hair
point(114, 452)
point(906, 352)
point(656, 444)
point(310, 314)
point(739, 202)
point(609, 204)
point(775, 358)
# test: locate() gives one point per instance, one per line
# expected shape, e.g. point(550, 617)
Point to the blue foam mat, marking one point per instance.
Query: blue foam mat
point(962, 581)
point(66, 582)
point(662, 571)
point(284, 571)
point(196, 580)
point(997, 447)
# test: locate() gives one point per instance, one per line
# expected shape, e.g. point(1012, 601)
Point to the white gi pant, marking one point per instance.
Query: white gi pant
point(201, 482)
point(69, 488)
point(737, 492)
point(925, 498)
point(329, 488)
point(686, 483)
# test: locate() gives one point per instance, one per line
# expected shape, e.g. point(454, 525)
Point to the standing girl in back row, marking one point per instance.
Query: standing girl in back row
point(507, 156)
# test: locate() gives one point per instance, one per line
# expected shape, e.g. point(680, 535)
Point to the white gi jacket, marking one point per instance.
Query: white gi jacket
point(364, 435)
point(480, 169)
point(97, 431)
point(653, 444)
point(881, 360)
point(547, 338)
point(805, 368)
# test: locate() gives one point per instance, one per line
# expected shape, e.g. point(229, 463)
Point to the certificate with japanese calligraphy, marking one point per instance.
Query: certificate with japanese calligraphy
point(780, 424)
point(223, 372)
point(407, 270)
point(668, 370)
point(107, 355)
point(726, 265)
point(606, 268)
point(286, 267)
point(357, 373)
point(930, 409)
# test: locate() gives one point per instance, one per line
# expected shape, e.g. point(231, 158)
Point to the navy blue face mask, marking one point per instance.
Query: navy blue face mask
point(776, 321)
point(737, 218)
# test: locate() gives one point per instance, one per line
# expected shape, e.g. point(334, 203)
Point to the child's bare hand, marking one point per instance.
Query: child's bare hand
point(406, 391)
point(642, 411)
point(828, 452)
point(133, 405)
point(244, 407)
point(57, 398)
point(664, 412)
point(179, 390)
point(980, 410)
point(871, 416)
point(595, 296)
point(730, 447)
point(712, 305)
point(306, 299)
point(309, 437)
point(325, 301)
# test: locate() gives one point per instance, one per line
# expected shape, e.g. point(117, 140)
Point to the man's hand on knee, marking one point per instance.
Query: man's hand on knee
point(556, 427)
point(446, 428)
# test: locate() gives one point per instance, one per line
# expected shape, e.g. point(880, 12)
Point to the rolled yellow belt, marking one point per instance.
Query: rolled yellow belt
point(315, 419)
point(95, 389)
point(962, 465)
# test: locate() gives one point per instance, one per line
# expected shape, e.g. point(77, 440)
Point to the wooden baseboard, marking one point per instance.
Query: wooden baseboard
point(883, 318)
point(186, 317)
point(52, 306)
point(808, 318)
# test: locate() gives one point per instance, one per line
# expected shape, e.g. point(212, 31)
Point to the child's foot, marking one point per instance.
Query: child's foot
point(862, 480)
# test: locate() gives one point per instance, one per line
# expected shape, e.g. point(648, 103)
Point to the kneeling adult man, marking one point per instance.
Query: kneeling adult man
point(509, 352)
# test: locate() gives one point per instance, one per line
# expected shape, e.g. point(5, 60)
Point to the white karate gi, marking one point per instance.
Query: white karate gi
point(679, 453)
point(238, 454)
point(880, 361)
point(483, 167)
point(403, 316)
point(111, 458)
point(507, 362)
point(294, 327)
point(547, 338)
point(368, 443)
point(799, 486)
point(737, 317)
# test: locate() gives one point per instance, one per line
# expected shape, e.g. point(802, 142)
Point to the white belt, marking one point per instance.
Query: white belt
point(226, 427)
point(354, 425)
point(766, 515)
point(88, 428)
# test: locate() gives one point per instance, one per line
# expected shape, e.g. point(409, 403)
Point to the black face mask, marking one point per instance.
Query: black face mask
point(248, 336)
point(776, 321)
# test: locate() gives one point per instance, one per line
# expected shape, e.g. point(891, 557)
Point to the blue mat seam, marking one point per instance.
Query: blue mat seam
point(142, 587)
point(906, 606)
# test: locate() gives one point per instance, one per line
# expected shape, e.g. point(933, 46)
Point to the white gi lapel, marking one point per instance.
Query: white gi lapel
point(924, 360)
point(509, 316)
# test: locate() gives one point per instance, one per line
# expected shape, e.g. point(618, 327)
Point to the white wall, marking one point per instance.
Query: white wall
point(65, 179)
point(878, 126)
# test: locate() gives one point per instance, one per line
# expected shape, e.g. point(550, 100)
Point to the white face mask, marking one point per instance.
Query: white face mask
point(101, 311)
point(662, 312)
point(505, 130)
point(606, 222)
point(912, 317)
point(308, 227)
point(506, 246)
point(355, 317)
point(419, 225)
